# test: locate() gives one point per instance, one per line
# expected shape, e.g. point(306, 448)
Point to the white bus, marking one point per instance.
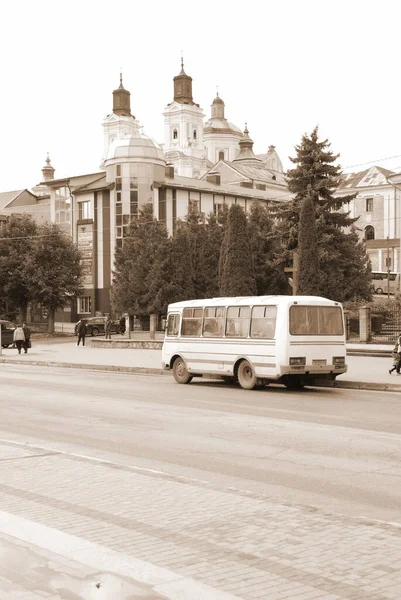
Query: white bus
point(256, 340)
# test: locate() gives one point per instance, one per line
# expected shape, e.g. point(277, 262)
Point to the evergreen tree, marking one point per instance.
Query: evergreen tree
point(196, 227)
point(55, 271)
point(236, 265)
point(269, 277)
point(308, 274)
point(17, 237)
point(211, 255)
point(315, 170)
point(144, 244)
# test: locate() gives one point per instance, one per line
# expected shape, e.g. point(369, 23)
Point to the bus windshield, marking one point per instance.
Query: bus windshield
point(316, 320)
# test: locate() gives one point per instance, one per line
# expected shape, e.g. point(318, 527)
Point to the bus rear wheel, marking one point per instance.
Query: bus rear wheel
point(246, 375)
point(180, 371)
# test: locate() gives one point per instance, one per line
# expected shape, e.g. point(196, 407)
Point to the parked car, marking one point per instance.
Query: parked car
point(7, 333)
point(95, 326)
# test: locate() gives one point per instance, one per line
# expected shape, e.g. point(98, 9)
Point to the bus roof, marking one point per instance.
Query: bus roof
point(248, 300)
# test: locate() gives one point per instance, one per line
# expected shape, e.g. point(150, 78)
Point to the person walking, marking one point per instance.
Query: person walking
point(396, 357)
point(122, 326)
point(81, 332)
point(107, 328)
point(27, 333)
point(19, 338)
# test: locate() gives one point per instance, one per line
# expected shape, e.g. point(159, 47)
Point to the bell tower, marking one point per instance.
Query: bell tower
point(183, 130)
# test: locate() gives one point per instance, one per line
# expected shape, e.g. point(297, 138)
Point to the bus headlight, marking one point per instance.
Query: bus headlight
point(339, 361)
point(298, 360)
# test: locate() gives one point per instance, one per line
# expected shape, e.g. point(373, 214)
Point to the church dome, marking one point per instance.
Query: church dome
point(218, 100)
point(137, 146)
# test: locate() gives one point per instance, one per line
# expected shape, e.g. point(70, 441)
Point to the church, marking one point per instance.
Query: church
point(201, 166)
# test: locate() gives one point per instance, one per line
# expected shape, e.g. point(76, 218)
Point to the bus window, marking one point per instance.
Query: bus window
point(316, 320)
point(173, 325)
point(192, 322)
point(213, 322)
point(263, 323)
point(238, 320)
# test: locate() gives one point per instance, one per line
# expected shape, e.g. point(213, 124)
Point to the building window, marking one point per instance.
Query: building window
point(63, 205)
point(369, 233)
point(369, 204)
point(175, 134)
point(194, 134)
point(84, 210)
point(85, 305)
point(221, 155)
point(134, 203)
point(119, 184)
point(118, 173)
point(174, 211)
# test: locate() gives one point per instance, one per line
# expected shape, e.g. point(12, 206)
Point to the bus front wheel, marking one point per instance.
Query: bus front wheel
point(180, 371)
point(246, 375)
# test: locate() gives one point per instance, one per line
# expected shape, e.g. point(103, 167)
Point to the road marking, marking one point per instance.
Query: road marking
point(166, 582)
point(193, 480)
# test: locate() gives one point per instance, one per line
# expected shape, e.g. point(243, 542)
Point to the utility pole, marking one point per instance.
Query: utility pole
point(294, 270)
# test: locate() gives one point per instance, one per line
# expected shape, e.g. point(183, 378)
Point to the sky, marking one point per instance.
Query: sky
point(281, 66)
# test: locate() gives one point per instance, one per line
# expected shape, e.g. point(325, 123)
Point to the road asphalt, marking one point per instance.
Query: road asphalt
point(368, 365)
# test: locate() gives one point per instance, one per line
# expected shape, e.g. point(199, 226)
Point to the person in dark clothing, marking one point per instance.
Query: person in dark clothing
point(396, 357)
point(81, 332)
point(121, 328)
point(27, 332)
point(107, 328)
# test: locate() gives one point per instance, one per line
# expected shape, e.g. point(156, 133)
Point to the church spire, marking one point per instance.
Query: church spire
point(183, 87)
point(246, 149)
point(121, 100)
point(48, 171)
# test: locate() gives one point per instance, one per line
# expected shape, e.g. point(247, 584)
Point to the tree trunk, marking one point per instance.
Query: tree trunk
point(50, 322)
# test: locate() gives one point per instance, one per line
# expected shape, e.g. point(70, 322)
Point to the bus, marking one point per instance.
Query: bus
point(256, 340)
point(385, 283)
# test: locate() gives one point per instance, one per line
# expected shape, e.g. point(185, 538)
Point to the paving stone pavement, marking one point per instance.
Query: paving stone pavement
point(235, 541)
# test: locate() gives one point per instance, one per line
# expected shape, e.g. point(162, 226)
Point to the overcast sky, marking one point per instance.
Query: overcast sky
point(282, 66)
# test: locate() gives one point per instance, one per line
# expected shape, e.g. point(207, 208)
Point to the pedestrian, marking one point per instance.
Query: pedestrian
point(81, 332)
point(107, 328)
point(122, 326)
point(27, 333)
point(19, 338)
point(396, 356)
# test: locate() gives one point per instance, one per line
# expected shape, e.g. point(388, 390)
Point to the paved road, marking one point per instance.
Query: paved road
point(246, 495)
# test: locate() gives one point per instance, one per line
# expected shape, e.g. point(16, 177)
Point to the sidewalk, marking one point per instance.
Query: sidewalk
point(365, 371)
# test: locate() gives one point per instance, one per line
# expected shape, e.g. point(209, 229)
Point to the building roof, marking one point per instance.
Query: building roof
point(374, 176)
point(7, 197)
point(93, 186)
point(227, 189)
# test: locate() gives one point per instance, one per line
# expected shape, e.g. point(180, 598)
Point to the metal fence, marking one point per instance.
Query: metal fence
point(385, 325)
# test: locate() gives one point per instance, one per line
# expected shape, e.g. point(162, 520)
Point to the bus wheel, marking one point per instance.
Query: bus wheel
point(293, 382)
point(246, 375)
point(180, 371)
point(379, 291)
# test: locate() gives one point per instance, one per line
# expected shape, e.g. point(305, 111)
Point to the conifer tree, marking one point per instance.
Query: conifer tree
point(142, 247)
point(269, 277)
point(236, 265)
point(308, 274)
point(315, 169)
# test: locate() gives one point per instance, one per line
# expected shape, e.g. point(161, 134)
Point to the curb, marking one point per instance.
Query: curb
point(351, 385)
point(42, 363)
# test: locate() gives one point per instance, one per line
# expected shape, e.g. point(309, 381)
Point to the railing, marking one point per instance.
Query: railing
point(381, 326)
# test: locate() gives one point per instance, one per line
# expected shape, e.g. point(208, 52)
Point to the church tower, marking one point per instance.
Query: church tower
point(221, 137)
point(120, 122)
point(183, 130)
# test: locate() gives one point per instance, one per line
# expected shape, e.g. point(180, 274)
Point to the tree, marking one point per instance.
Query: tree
point(17, 237)
point(269, 277)
point(144, 244)
point(315, 170)
point(236, 265)
point(308, 269)
point(54, 269)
